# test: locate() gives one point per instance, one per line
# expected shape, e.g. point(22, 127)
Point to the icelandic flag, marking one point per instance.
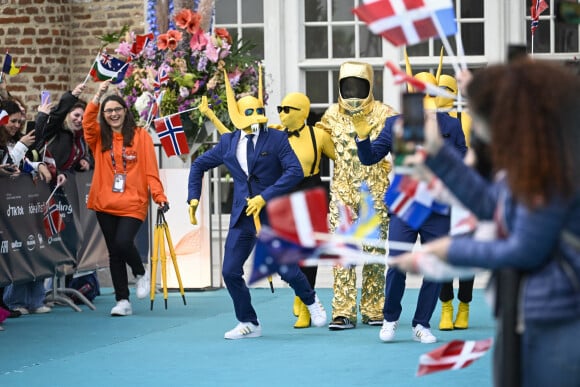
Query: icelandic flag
point(412, 201)
point(9, 67)
point(274, 253)
point(53, 223)
point(454, 355)
point(408, 22)
point(171, 134)
point(417, 85)
point(141, 41)
point(4, 117)
point(296, 217)
point(367, 224)
point(108, 67)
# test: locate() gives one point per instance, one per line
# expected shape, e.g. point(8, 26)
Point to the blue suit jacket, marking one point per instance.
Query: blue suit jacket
point(370, 153)
point(274, 171)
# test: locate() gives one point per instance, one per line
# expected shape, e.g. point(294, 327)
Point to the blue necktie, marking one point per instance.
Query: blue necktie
point(249, 149)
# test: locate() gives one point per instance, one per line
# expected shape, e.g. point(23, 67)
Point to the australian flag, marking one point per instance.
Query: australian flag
point(53, 223)
point(108, 67)
point(171, 134)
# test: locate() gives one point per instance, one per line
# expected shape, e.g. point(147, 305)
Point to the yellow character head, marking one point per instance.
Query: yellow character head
point(427, 77)
point(248, 113)
point(355, 81)
point(294, 110)
point(448, 83)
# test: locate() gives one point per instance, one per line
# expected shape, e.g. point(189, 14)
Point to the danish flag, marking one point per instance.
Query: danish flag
point(171, 134)
point(454, 355)
point(407, 22)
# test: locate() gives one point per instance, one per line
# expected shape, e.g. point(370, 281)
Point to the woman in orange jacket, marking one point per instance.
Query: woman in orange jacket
point(125, 172)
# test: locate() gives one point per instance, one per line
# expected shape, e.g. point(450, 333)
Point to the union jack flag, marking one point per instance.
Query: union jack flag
point(161, 78)
point(407, 22)
point(538, 6)
point(171, 134)
point(53, 223)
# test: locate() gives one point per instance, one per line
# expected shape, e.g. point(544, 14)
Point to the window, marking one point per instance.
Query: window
point(243, 19)
point(551, 36)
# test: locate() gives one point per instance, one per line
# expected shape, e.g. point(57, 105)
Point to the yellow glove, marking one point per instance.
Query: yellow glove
point(361, 125)
point(255, 205)
point(276, 126)
point(192, 207)
point(203, 106)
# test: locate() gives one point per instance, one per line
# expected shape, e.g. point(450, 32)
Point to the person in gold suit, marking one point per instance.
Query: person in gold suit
point(356, 105)
point(310, 144)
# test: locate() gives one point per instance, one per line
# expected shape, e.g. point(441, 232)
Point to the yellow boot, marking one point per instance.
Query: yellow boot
point(446, 322)
point(303, 320)
point(296, 306)
point(462, 318)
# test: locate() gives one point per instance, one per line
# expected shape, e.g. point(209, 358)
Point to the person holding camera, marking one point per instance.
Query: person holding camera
point(436, 225)
point(125, 175)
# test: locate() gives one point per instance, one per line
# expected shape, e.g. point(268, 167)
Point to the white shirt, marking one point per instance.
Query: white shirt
point(242, 149)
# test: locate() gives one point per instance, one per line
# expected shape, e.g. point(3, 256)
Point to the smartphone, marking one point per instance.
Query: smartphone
point(413, 117)
point(30, 126)
point(44, 97)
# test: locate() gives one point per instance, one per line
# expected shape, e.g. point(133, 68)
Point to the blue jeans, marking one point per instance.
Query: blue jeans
point(28, 295)
point(551, 354)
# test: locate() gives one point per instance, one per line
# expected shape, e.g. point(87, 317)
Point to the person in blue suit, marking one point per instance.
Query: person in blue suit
point(263, 166)
point(435, 226)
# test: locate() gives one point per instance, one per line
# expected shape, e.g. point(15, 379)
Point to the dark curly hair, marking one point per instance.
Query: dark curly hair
point(533, 111)
point(129, 125)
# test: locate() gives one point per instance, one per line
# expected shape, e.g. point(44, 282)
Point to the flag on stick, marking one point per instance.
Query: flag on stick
point(53, 223)
point(141, 41)
point(452, 356)
point(9, 67)
point(4, 117)
point(297, 216)
point(367, 224)
point(108, 67)
point(407, 22)
point(417, 85)
point(171, 134)
point(538, 6)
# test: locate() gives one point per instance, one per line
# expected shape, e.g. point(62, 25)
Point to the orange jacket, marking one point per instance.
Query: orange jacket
point(142, 174)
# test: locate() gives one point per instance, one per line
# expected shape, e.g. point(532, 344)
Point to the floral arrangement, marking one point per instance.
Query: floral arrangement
point(185, 64)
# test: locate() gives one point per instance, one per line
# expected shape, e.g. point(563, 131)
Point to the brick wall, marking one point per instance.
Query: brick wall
point(58, 40)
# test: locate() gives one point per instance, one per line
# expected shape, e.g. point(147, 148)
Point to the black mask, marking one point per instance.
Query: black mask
point(352, 87)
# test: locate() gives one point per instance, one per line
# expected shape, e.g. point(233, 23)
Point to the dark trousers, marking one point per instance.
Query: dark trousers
point(239, 244)
point(464, 294)
point(435, 226)
point(119, 233)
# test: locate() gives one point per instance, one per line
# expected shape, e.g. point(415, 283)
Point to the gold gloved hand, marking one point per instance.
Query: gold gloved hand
point(203, 106)
point(361, 125)
point(192, 208)
point(255, 205)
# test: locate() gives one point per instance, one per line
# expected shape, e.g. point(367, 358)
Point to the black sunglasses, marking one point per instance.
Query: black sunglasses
point(286, 109)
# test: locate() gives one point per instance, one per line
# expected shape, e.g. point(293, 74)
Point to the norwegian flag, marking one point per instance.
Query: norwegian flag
point(141, 41)
point(454, 355)
point(53, 223)
point(419, 86)
point(108, 67)
point(171, 134)
point(296, 217)
point(538, 6)
point(4, 117)
point(412, 201)
point(407, 22)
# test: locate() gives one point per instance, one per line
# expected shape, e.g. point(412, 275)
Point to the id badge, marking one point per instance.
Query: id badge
point(119, 183)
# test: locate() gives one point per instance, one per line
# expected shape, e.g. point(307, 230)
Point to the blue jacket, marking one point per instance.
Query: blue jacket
point(371, 153)
point(274, 171)
point(534, 239)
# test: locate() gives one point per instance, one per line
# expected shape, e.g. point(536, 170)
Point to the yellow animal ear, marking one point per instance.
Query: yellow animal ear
point(235, 115)
point(260, 85)
point(438, 74)
point(408, 70)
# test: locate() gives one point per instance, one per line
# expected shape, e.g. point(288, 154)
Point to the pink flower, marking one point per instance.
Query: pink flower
point(212, 52)
point(198, 40)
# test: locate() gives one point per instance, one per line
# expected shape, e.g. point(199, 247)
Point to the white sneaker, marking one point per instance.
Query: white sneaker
point(317, 313)
point(143, 285)
point(388, 329)
point(424, 335)
point(42, 309)
point(244, 330)
point(123, 308)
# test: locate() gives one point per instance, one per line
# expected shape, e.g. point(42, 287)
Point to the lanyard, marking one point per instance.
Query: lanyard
point(115, 164)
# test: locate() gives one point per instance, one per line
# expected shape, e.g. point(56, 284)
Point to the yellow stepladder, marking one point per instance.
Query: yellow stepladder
point(159, 236)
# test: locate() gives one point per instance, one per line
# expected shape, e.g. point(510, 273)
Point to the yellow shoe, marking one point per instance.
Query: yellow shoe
point(462, 318)
point(296, 306)
point(446, 322)
point(303, 320)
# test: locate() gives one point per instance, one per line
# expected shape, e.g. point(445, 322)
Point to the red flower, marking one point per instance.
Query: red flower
point(223, 34)
point(169, 40)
